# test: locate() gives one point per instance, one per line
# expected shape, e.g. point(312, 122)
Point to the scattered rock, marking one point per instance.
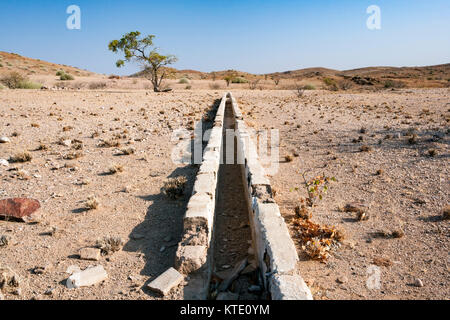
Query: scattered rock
point(166, 282)
point(86, 278)
point(49, 292)
point(137, 236)
point(254, 289)
point(342, 280)
point(233, 276)
point(42, 270)
point(4, 140)
point(4, 163)
point(168, 239)
point(92, 254)
point(19, 208)
point(418, 283)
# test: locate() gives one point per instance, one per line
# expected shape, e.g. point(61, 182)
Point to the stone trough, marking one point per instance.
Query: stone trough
point(274, 249)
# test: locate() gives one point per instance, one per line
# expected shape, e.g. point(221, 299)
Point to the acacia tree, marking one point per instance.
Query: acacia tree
point(143, 51)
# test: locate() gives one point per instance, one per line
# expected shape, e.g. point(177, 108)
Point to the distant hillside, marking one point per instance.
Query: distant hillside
point(429, 76)
point(376, 77)
point(13, 62)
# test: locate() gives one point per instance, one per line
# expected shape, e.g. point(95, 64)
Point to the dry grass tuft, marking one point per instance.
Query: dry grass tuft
point(109, 245)
point(365, 148)
point(92, 203)
point(116, 168)
point(22, 156)
point(174, 187)
point(127, 151)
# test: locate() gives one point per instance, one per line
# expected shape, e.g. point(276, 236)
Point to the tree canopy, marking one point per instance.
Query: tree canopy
point(142, 50)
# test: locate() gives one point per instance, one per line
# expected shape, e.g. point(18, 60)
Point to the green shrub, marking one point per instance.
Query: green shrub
point(29, 85)
point(60, 73)
point(1, 87)
point(239, 80)
point(15, 80)
point(1, 66)
point(12, 80)
point(393, 84)
point(329, 81)
point(66, 76)
point(183, 81)
point(189, 87)
point(309, 87)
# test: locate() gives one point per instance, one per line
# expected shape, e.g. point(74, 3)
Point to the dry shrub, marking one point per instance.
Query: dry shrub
point(317, 241)
point(109, 144)
point(214, 86)
point(21, 157)
point(174, 187)
point(97, 85)
point(92, 203)
point(109, 245)
point(116, 168)
point(128, 151)
point(4, 241)
point(73, 155)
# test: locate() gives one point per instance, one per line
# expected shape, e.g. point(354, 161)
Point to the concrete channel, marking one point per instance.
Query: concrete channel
point(236, 245)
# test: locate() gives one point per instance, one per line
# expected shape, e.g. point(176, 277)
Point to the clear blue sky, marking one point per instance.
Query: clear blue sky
point(257, 36)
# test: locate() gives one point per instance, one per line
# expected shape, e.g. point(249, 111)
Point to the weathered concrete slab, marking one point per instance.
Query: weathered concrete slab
point(86, 278)
point(286, 287)
point(275, 237)
point(166, 282)
point(190, 258)
point(206, 183)
point(92, 254)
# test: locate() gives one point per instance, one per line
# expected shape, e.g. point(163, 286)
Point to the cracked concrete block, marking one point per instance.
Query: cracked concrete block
point(274, 238)
point(190, 258)
point(93, 254)
point(166, 282)
point(205, 183)
point(199, 211)
point(286, 287)
point(87, 277)
point(209, 166)
point(257, 174)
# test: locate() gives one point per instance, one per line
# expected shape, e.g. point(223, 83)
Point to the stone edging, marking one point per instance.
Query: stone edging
point(274, 249)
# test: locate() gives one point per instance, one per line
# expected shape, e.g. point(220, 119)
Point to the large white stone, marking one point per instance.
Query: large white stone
point(166, 282)
point(286, 287)
point(274, 234)
point(190, 258)
point(87, 277)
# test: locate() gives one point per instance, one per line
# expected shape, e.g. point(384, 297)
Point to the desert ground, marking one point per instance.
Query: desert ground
point(97, 152)
point(404, 184)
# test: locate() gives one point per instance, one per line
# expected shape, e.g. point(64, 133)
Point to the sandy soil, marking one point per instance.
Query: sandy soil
point(318, 131)
point(131, 203)
point(319, 127)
